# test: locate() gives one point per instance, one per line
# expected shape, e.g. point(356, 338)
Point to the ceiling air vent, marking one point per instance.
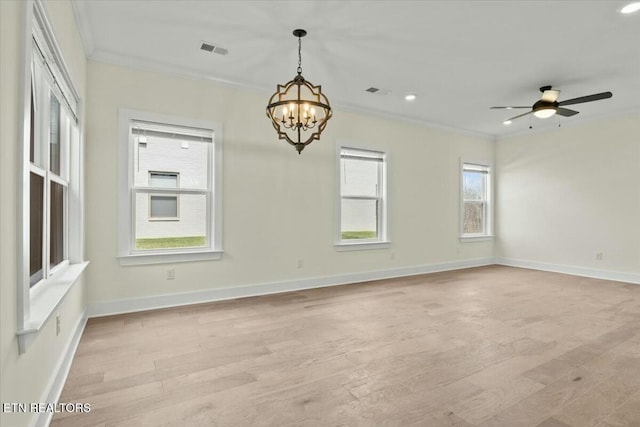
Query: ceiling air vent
point(213, 48)
point(378, 91)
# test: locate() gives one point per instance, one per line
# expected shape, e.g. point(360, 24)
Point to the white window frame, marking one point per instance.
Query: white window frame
point(487, 168)
point(127, 254)
point(382, 241)
point(50, 77)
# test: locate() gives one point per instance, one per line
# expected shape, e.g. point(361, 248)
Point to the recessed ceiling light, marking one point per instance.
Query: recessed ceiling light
point(410, 97)
point(631, 7)
point(507, 122)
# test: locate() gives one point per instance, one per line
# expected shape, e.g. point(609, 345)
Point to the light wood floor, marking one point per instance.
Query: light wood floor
point(491, 346)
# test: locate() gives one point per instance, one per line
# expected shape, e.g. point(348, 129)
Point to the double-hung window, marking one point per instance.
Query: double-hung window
point(52, 131)
point(476, 209)
point(170, 189)
point(50, 236)
point(363, 200)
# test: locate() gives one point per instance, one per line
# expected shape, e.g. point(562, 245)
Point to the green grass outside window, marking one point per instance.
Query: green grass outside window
point(171, 242)
point(365, 234)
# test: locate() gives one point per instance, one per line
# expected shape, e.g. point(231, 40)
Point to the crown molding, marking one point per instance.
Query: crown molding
point(82, 21)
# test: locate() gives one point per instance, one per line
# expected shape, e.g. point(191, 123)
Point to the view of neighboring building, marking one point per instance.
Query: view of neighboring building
point(169, 163)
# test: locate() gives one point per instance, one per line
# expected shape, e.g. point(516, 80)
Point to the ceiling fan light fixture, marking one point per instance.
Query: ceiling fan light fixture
point(549, 106)
point(544, 112)
point(410, 97)
point(630, 8)
point(544, 109)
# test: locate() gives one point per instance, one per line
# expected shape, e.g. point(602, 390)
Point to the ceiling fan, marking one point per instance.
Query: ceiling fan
point(548, 104)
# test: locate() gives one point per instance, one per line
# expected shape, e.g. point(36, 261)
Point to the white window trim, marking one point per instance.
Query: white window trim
point(361, 244)
point(489, 223)
point(128, 257)
point(36, 304)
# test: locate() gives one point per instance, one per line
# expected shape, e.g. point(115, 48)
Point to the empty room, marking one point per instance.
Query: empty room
point(319, 213)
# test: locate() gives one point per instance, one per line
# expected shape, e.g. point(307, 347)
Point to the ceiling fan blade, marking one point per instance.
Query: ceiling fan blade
point(588, 98)
point(550, 95)
point(565, 112)
point(518, 116)
point(507, 108)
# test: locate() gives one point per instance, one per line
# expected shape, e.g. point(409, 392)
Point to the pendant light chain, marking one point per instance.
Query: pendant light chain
point(299, 55)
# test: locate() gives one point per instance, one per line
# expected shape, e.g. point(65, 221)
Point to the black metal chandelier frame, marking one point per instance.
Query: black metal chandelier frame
point(298, 114)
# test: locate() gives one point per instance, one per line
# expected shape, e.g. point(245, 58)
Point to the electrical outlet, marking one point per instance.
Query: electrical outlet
point(171, 273)
point(58, 325)
point(599, 256)
point(300, 263)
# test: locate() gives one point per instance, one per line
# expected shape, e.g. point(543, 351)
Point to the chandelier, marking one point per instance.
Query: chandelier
point(298, 110)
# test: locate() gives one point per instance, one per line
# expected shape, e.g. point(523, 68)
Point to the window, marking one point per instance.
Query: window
point(163, 179)
point(163, 207)
point(50, 234)
point(362, 204)
point(170, 182)
point(52, 131)
point(476, 200)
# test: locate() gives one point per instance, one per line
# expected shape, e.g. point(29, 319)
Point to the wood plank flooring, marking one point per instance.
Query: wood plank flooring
point(490, 346)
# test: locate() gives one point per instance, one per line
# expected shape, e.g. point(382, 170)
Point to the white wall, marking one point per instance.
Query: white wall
point(567, 194)
point(27, 377)
point(278, 205)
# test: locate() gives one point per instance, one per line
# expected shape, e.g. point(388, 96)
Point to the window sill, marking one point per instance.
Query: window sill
point(361, 246)
point(169, 257)
point(44, 302)
point(469, 239)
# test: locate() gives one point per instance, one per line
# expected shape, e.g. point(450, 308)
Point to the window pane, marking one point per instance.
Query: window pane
point(36, 218)
point(190, 230)
point(163, 180)
point(161, 153)
point(359, 177)
point(473, 217)
point(163, 207)
point(54, 136)
point(56, 242)
point(359, 219)
point(474, 183)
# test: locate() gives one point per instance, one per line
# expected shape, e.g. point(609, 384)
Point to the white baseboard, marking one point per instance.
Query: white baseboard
point(173, 300)
point(56, 383)
point(617, 276)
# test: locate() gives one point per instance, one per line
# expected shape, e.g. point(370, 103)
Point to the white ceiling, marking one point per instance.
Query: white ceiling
point(459, 57)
